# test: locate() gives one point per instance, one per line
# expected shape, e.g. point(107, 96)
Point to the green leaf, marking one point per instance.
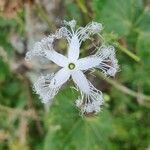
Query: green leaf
point(143, 21)
point(4, 71)
point(5, 22)
point(68, 130)
point(117, 15)
point(143, 42)
point(143, 46)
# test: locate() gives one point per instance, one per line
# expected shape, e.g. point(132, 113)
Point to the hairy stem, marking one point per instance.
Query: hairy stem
point(129, 53)
point(123, 89)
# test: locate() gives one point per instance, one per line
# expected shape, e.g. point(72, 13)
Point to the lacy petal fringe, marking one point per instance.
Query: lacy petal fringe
point(109, 63)
point(90, 103)
point(41, 87)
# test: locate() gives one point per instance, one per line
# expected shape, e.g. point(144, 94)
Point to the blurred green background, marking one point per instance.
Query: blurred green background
point(124, 123)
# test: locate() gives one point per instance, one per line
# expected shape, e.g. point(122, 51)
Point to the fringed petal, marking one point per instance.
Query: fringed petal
point(44, 48)
point(41, 87)
point(109, 63)
point(74, 49)
point(81, 81)
point(48, 86)
point(71, 23)
point(88, 62)
point(92, 28)
point(91, 103)
point(63, 32)
point(60, 78)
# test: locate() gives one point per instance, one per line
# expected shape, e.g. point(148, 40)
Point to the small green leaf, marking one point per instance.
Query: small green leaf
point(117, 15)
point(68, 130)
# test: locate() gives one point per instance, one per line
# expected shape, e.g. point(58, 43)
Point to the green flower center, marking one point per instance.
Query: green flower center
point(71, 66)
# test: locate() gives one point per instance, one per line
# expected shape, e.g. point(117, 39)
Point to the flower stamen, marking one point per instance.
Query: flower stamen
point(71, 66)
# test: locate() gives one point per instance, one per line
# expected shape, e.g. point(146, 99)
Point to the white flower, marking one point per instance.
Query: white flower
point(73, 66)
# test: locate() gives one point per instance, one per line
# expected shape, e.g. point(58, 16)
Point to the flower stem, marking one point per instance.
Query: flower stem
point(122, 88)
point(129, 53)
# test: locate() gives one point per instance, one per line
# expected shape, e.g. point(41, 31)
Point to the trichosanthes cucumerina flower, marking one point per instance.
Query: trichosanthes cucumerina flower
point(72, 66)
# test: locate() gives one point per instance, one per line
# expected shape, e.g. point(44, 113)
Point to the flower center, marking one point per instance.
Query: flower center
point(71, 66)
